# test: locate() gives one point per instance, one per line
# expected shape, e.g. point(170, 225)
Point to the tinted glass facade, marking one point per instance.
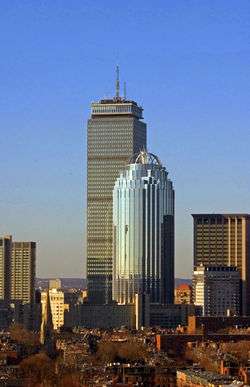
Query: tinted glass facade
point(115, 133)
point(143, 217)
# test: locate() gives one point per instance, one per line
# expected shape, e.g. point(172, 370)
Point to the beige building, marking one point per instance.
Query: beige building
point(23, 270)
point(224, 240)
point(57, 306)
point(5, 263)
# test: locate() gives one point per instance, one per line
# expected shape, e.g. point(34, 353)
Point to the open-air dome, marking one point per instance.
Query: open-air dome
point(144, 157)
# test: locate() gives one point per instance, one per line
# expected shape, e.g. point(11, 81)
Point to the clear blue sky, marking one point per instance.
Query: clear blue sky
point(187, 62)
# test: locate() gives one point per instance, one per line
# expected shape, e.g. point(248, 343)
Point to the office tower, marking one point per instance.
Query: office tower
point(217, 290)
point(143, 217)
point(23, 269)
point(183, 294)
point(224, 240)
point(115, 133)
point(56, 298)
point(5, 265)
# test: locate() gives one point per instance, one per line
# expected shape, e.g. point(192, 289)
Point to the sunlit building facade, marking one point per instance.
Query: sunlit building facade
point(56, 298)
point(143, 220)
point(115, 132)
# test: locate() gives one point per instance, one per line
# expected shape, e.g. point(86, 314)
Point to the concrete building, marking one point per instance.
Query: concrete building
point(104, 316)
point(5, 267)
point(133, 316)
point(115, 132)
point(57, 306)
point(217, 290)
point(172, 315)
point(23, 271)
point(183, 294)
point(143, 218)
point(224, 240)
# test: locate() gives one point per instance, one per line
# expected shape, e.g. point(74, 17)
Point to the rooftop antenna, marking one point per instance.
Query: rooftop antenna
point(117, 84)
point(125, 90)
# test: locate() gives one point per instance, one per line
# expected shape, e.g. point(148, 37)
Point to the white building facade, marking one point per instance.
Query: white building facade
point(143, 219)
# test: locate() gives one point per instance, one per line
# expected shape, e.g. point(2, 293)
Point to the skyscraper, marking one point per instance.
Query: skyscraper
point(115, 132)
point(5, 267)
point(143, 217)
point(23, 271)
point(224, 240)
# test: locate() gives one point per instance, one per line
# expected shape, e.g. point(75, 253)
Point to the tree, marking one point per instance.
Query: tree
point(38, 368)
point(23, 336)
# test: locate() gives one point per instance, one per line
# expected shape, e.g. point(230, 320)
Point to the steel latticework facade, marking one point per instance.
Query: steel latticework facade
point(115, 133)
point(143, 217)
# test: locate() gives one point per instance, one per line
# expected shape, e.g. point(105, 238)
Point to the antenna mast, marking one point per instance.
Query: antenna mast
point(117, 84)
point(125, 90)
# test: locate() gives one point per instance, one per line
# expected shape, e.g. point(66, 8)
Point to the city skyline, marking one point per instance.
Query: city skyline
point(195, 104)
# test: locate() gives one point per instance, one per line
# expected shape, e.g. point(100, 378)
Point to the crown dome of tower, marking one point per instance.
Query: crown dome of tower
point(144, 157)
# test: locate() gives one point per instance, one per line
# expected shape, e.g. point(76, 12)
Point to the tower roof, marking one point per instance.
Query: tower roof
point(144, 157)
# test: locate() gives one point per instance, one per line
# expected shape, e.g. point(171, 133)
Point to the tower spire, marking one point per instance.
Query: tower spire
point(117, 84)
point(125, 90)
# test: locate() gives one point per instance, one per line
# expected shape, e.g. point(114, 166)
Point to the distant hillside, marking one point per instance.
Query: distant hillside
point(81, 283)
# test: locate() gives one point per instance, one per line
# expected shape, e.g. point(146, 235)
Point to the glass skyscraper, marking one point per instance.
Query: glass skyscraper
point(115, 132)
point(143, 219)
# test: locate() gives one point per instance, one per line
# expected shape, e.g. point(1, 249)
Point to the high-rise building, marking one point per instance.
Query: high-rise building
point(5, 267)
point(217, 290)
point(224, 240)
point(143, 217)
point(115, 132)
point(23, 271)
point(56, 298)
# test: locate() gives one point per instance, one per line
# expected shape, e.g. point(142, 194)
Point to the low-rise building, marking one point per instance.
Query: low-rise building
point(183, 294)
point(217, 290)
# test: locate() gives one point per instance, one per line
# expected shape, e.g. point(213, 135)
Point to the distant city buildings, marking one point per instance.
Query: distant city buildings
point(224, 240)
point(217, 290)
point(143, 216)
point(183, 294)
point(115, 132)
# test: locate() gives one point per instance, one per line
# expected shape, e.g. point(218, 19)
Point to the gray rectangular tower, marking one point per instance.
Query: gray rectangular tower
point(115, 133)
